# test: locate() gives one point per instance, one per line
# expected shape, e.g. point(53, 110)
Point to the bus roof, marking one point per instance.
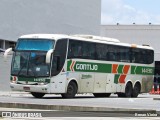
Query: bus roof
point(45, 36)
point(89, 38)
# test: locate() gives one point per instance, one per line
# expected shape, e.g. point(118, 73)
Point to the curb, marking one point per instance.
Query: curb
point(71, 108)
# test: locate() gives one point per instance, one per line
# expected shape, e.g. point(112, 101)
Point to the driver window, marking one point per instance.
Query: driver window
point(59, 56)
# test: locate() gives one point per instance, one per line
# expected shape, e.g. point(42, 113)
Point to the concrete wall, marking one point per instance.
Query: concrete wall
point(18, 17)
point(137, 34)
point(5, 73)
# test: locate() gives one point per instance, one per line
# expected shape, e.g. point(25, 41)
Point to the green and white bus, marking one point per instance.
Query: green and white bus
point(76, 64)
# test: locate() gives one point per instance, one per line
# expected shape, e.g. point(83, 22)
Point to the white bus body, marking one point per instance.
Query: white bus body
point(81, 64)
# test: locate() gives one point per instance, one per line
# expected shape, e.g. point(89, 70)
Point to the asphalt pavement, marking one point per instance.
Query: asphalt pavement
point(85, 102)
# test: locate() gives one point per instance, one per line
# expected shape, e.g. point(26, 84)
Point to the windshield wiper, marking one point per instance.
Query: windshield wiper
point(20, 70)
point(34, 73)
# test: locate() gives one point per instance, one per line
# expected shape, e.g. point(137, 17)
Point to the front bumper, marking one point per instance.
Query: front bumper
point(30, 88)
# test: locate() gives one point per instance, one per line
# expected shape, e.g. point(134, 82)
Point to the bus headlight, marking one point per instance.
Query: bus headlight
point(14, 79)
point(42, 83)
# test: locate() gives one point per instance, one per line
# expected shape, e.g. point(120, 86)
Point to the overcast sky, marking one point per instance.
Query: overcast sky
point(130, 11)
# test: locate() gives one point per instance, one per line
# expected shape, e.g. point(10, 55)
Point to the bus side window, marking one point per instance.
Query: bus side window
point(124, 54)
point(134, 55)
point(137, 57)
point(101, 51)
point(112, 53)
point(148, 56)
point(88, 50)
point(142, 56)
point(75, 49)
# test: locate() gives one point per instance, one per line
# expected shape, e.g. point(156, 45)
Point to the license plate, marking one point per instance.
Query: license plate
point(26, 88)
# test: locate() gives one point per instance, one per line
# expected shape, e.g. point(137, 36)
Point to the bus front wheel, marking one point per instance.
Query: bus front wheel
point(37, 95)
point(71, 90)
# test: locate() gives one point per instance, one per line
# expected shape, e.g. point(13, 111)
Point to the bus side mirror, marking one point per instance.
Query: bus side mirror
point(7, 52)
point(48, 56)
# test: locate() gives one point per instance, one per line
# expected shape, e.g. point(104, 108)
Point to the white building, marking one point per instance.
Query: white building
point(18, 17)
point(136, 34)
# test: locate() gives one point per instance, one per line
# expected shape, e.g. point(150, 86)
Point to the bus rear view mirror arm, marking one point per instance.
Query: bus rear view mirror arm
point(48, 56)
point(7, 52)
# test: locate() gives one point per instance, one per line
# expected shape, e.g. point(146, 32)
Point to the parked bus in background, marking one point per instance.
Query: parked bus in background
point(76, 64)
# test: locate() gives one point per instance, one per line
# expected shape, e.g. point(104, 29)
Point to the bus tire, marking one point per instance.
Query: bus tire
point(37, 95)
point(71, 90)
point(136, 90)
point(128, 90)
point(101, 94)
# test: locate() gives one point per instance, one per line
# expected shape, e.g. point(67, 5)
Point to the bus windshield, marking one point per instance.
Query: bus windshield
point(29, 58)
point(31, 64)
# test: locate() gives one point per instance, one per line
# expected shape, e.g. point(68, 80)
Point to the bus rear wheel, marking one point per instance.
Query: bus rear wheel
point(37, 95)
point(136, 90)
point(101, 94)
point(71, 90)
point(128, 91)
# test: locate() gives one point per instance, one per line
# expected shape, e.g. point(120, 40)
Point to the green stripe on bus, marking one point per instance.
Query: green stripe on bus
point(142, 70)
point(25, 79)
point(116, 77)
point(107, 68)
point(92, 67)
point(120, 68)
point(68, 65)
